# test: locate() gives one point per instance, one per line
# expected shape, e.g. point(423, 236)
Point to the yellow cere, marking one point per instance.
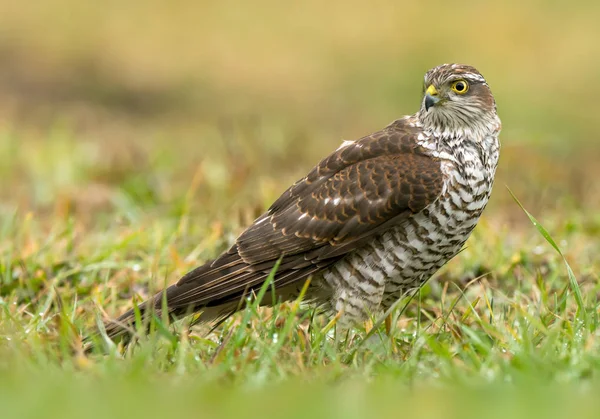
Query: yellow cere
point(431, 91)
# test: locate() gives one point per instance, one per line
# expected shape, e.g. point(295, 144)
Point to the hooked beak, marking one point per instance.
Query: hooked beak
point(431, 97)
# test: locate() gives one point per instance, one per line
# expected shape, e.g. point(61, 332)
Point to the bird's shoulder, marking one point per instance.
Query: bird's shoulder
point(356, 189)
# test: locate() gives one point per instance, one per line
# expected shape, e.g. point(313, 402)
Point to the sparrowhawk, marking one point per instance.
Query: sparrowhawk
point(374, 219)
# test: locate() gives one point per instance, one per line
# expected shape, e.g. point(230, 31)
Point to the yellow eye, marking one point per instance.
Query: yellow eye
point(460, 86)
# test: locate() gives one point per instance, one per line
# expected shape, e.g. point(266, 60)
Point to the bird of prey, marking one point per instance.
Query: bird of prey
point(373, 220)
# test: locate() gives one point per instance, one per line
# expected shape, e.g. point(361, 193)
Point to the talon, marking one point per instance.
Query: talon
point(368, 325)
point(388, 325)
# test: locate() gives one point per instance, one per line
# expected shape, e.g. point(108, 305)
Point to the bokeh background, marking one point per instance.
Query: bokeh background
point(118, 111)
point(138, 138)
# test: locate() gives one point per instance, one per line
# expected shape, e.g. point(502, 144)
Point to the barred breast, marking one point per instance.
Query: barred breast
point(373, 277)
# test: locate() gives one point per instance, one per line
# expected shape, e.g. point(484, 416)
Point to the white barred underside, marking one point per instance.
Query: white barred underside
point(372, 278)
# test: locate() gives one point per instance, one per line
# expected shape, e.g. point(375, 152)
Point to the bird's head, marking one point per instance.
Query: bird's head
point(456, 98)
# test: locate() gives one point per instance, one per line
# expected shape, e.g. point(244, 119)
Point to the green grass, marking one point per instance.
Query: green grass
point(505, 314)
point(128, 156)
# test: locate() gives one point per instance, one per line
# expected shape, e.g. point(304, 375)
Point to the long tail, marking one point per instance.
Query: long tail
point(124, 326)
point(216, 288)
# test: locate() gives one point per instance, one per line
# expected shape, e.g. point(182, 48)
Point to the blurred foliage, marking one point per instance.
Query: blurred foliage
point(137, 139)
point(142, 96)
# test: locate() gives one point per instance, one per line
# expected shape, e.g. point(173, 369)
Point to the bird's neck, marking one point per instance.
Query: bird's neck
point(442, 128)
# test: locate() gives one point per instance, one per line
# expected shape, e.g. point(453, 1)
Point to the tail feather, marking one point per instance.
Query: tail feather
point(217, 288)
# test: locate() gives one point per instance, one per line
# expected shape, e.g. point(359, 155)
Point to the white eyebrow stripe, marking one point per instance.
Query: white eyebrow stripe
point(474, 77)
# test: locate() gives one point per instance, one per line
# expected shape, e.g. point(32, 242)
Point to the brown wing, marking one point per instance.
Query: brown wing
point(343, 208)
point(358, 191)
point(351, 195)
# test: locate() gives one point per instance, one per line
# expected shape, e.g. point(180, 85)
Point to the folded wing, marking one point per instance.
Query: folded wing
point(355, 193)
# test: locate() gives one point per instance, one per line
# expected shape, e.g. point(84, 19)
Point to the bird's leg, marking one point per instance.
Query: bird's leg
point(388, 331)
point(388, 325)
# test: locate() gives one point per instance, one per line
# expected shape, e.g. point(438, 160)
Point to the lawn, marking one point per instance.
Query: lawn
point(128, 157)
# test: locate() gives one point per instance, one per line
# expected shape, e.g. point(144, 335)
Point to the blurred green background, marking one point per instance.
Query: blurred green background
point(138, 137)
point(98, 99)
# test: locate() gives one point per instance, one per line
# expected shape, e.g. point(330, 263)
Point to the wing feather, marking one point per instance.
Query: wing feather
point(354, 193)
point(360, 190)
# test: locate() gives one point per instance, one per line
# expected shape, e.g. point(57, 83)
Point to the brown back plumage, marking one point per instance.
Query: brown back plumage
point(352, 195)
